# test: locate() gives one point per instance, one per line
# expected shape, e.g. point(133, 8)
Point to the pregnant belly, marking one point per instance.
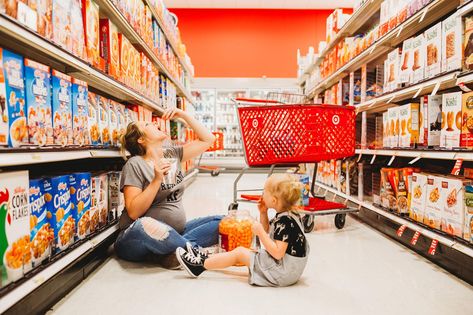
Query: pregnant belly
point(172, 215)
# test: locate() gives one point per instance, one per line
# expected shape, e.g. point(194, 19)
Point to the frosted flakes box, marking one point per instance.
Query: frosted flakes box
point(80, 189)
point(418, 192)
point(41, 234)
point(435, 197)
point(62, 23)
point(15, 251)
point(418, 58)
point(409, 125)
point(77, 30)
point(93, 119)
point(80, 112)
point(44, 9)
point(452, 43)
point(451, 120)
point(113, 123)
point(109, 47)
point(38, 103)
point(61, 106)
point(90, 12)
point(116, 202)
point(14, 92)
point(104, 129)
point(433, 48)
point(58, 205)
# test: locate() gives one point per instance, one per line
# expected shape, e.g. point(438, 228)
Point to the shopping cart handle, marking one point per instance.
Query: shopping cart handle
point(253, 100)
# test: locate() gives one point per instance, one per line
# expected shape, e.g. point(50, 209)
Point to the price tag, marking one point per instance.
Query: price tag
point(433, 247)
point(415, 238)
point(372, 49)
point(401, 230)
point(416, 159)
point(457, 167)
point(36, 156)
point(39, 279)
point(464, 88)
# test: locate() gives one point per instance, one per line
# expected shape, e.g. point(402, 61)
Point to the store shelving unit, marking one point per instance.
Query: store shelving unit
point(464, 155)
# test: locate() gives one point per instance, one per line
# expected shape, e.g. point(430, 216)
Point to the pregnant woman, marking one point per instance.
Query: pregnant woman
point(154, 223)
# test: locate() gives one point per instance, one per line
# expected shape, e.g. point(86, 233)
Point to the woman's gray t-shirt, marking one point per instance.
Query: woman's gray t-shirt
point(167, 205)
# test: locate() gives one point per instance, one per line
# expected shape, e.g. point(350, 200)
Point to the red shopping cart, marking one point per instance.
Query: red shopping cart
point(285, 131)
point(216, 146)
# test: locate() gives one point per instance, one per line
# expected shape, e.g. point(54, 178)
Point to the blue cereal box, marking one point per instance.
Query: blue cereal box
point(58, 204)
point(13, 91)
point(104, 107)
point(80, 114)
point(93, 120)
point(38, 103)
point(80, 188)
point(305, 181)
point(41, 232)
point(62, 110)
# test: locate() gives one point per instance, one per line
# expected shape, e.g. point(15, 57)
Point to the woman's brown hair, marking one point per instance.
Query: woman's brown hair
point(129, 140)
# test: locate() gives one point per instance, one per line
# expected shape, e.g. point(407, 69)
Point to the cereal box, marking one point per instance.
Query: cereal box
point(44, 10)
point(15, 232)
point(116, 202)
point(77, 30)
point(93, 119)
point(451, 120)
point(27, 16)
point(90, 12)
point(468, 227)
point(418, 56)
point(104, 129)
point(418, 192)
point(453, 214)
point(433, 47)
point(62, 23)
point(452, 43)
point(405, 72)
point(409, 131)
point(393, 70)
point(80, 189)
point(125, 48)
point(42, 234)
point(80, 112)
point(3, 105)
point(14, 92)
point(393, 116)
point(109, 47)
point(435, 197)
point(385, 130)
point(432, 108)
point(62, 110)
point(122, 123)
point(402, 190)
point(94, 204)
point(113, 123)
point(38, 103)
point(466, 137)
point(468, 44)
point(102, 198)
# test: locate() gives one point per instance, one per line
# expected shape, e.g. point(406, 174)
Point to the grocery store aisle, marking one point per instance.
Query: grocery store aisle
point(352, 271)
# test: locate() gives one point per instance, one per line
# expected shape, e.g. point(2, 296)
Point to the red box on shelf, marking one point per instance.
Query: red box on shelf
point(109, 47)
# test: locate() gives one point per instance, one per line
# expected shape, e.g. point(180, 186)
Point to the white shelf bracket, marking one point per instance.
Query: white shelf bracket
point(416, 159)
point(400, 31)
point(436, 88)
point(391, 160)
point(424, 13)
point(359, 158)
point(418, 91)
point(372, 159)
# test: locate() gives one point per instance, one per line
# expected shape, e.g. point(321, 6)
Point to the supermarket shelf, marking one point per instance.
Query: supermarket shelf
point(465, 9)
point(466, 155)
point(423, 18)
point(27, 287)
point(465, 78)
point(383, 102)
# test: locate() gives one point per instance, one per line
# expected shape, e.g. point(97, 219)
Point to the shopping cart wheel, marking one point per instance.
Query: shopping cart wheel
point(233, 206)
point(308, 221)
point(340, 221)
point(215, 173)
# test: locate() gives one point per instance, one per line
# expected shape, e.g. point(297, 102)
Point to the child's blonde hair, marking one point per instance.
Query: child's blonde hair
point(287, 188)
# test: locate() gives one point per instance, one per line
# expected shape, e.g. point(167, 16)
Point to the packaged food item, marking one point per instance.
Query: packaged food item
point(102, 198)
point(38, 103)
point(94, 204)
point(80, 112)
point(90, 12)
point(432, 108)
point(4, 127)
point(109, 47)
point(418, 192)
point(304, 180)
point(386, 142)
point(453, 214)
point(466, 137)
point(418, 54)
point(433, 46)
point(122, 123)
point(235, 230)
point(451, 120)
point(452, 43)
point(468, 206)
point(409, 131)
point(389, 182)
point(468, 43)
point(15, 251)
point(44, 10)
point(104, 129)
point(80, 189)
point(405, 73)
point(393, 115)
point(77, 30)
point(402, 191)
point(62, 23)
point(61, 106)
point(435, 200)
point(93, 118)
point(27, 16)
point(116, 202)
point(468, 172)
point(113, 123)
point(125, 48)
point(42, 235)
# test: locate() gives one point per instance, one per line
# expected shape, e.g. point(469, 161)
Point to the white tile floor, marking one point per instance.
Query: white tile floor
point(352, 271)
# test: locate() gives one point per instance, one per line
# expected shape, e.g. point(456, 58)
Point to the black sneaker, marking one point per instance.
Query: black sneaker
point(196, 250)
point(193, 264)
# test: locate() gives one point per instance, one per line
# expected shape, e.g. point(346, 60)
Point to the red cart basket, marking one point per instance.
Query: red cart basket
point(284, 130)
point(216, 146)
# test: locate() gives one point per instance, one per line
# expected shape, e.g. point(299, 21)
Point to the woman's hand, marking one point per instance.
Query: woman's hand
point(262, 206)
point(173, 113)
point(257, 228)
point(161, 168)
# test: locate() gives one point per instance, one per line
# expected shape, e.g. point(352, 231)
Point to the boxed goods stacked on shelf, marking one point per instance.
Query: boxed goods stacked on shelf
point(466, 137)
point(79, 112)
point(468, 228)
point(432, 109)
point(80, 188)
point(451, 120)
point(61, 108)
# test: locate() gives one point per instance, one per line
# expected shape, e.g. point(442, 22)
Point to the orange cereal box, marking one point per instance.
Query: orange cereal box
point(62, 23)
point(93, 119)
point(109, 48)
point(90, 13)
point(125, 47)
point(77, 30)
point(44, 9)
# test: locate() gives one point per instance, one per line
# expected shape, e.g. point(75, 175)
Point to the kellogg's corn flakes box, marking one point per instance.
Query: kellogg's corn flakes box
point(79, 113)
point(62, 110)
point(80, 188)
point(58, 205)
point(42, 235)
point(38, 103)
point(15, 249)
point(93, 119)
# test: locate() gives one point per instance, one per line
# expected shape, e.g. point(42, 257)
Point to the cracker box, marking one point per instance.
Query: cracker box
point(453, 214)
point(452, 43)
point(90, 13)
point(109, 47)
point(93, 119)
point(80, 189)
point(62, 23)
point(418, 192)
point(44, 10)
point(38, 103)
point(125, 47)
point(409, 125)
point(14, 110)
point(468, 206)
point(405, 72)
point(393, 116)
point(42, 235)
point(468, 44)
point(451, 120)
point(433, 48)
point(432, 108)
point(435, 197)
point(466, 137)
point(393, 70)
point(15, 232)
point(385, 130)
point(80, 112)
point(62, 110)
point(418, 58)
point(113, 123)
point(77, 30)
point(104, 129)
point(116, 202)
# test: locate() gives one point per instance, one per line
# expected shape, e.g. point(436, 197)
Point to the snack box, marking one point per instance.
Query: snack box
point(113, 123)
point(80, 189)
point(405, 72)
point(409, 125)
point(15, 222)
point(13, 125)
point(418, 55)
point(61, 106)
point(468, 44)
point(451, 120)
point(402, 191)
point(388, 188)
point(393, 117)
point(386, 142)
point(104, 129)
point(435, 200)
point(42, 235)
point(77, 30)
point(452, 43)
point(433, 47)
point(393, 70)
point(116, 201)
point(90, 13)
point(58, 205)
point(125, 48)
point(466, 137)
point(468, 206)
point(453, 214)
point(44, 11)
point(418, 192)
point(432, 108)
point(62, 23)
point(80, 114)
point(38, 103)
point(109, 47)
